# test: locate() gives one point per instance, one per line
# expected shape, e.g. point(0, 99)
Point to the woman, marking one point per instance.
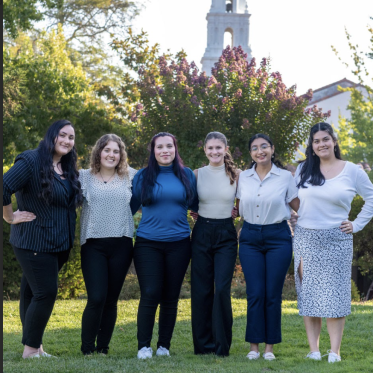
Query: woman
point(166, 189)
point(47, 189)
point(214, 250)
point(323, 236)
point(265, 192)
point(106, 238)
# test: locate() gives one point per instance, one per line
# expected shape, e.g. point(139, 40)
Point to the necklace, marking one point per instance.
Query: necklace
point(57, 166)
point(106, 180)
point(331, 168)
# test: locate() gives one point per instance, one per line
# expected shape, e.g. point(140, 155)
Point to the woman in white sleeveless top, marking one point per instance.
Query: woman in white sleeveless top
point(214, 250)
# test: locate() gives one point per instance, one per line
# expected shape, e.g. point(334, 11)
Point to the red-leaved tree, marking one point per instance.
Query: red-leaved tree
point(239, 99)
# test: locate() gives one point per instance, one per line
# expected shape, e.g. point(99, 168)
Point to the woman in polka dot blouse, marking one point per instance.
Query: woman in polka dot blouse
point(106, 238)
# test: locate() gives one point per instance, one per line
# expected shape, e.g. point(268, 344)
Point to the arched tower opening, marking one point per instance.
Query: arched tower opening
point(229, 6)
point(228, 37)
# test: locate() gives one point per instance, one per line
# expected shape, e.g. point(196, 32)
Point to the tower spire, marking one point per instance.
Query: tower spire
point(226, 16)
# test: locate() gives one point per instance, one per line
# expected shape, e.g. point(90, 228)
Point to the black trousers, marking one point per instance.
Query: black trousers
point(160, 268)
point(214, 253)
point(105, 263)
point(39, 286)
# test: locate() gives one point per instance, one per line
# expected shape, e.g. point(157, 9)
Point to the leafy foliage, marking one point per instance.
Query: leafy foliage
point(56, 89)
point(363, 246)
point(239, 100)
point(88, 19)
point(356, 134)
point(20, 14)
point(70, 278)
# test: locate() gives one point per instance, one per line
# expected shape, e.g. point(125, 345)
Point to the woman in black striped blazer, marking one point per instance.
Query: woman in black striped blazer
point(45, 181)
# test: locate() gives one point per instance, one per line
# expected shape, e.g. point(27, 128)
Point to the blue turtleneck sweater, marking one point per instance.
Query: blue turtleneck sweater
point(166, 218)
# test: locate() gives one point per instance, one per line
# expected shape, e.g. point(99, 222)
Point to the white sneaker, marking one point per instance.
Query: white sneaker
point(162, 351)
point(33, 355)
point(269, 356)
point(252, 355)
point(314, 355)
point(333, 357)
point(145, 353)
point(44, 354)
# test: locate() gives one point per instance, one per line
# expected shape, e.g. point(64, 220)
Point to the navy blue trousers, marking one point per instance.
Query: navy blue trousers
point(265, 253)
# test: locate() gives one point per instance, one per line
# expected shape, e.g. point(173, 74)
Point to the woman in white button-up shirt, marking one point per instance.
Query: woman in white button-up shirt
point(265, 192)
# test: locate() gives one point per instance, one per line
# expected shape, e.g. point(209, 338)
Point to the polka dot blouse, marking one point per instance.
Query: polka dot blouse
point(106, 206)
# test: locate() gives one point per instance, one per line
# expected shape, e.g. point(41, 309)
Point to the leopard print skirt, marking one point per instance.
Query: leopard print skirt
point(325, 289)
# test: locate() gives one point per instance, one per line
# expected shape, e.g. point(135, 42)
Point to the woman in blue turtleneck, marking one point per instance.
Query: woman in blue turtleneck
point(165, 189)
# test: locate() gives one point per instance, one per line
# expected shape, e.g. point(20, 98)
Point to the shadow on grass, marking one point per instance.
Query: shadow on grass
point(62, 338)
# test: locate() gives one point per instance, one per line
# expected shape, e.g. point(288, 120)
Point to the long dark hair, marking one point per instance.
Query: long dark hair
point(150, 173)
point(310, 170)
point(230, 167)
point(68, 164)
point(268, 139)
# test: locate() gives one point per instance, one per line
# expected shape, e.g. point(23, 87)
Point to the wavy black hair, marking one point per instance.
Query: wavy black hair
point(268, 139)
point(68, 164)
point(150, 173)
point(310, 170)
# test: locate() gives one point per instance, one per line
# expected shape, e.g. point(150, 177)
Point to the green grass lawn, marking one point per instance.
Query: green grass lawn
point(62, 338)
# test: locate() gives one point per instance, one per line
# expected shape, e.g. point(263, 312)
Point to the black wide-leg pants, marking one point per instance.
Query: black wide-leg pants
point(214, 253)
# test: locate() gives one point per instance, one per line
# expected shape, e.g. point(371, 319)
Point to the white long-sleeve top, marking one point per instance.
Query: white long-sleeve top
point(326, 206)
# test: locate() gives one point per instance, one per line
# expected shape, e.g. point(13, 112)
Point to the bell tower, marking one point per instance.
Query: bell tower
point(227, 20)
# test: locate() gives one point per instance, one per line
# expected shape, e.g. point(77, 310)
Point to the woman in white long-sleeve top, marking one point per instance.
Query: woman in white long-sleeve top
point(323, 236)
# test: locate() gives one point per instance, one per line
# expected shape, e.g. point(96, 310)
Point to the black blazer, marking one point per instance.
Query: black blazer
point(53, 230)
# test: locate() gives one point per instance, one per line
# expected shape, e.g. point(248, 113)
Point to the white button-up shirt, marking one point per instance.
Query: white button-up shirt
point(266, 201)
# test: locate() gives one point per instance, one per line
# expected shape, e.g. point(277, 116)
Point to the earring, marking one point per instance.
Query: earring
point(313, 153)
point(273, 155)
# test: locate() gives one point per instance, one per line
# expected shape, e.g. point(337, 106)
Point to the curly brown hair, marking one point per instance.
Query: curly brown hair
point(122, 166)
point(230, 167)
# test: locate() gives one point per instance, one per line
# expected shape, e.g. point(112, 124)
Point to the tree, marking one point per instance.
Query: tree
point(56, 89)
point(239, 100)
point(21, 14)
point(356, 134)
point(356, 139)
point(87, 19)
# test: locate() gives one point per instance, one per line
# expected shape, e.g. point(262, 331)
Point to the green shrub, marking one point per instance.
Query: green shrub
point(355, 294)
point(70, 279)
point(131, 288)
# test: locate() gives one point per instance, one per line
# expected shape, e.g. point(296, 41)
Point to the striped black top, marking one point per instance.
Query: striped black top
point(53, 230)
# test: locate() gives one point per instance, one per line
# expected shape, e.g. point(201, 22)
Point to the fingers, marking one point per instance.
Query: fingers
point(346, 227)
point(23, 216)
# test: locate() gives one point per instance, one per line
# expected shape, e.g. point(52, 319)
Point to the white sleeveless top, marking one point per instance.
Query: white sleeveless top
point(215, 193)
point(106, 208)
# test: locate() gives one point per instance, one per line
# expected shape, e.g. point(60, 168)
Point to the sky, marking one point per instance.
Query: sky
point(297, 35)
